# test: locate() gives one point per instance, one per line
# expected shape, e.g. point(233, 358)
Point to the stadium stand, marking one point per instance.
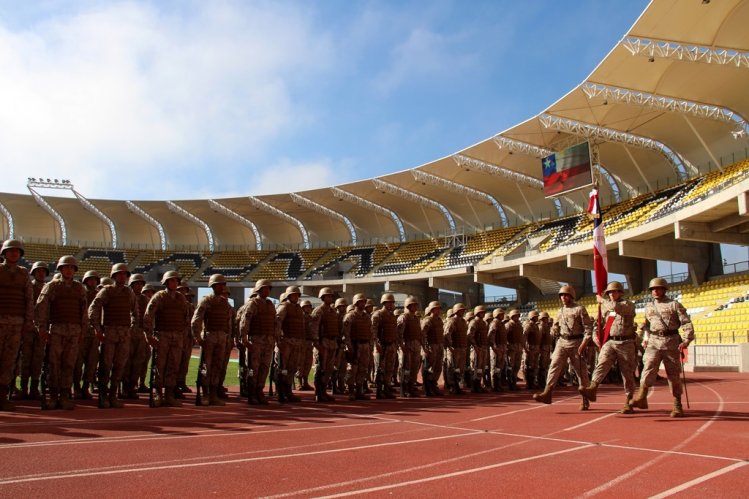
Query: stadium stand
point(412, 257)
point(477, 247)
point(234, 265)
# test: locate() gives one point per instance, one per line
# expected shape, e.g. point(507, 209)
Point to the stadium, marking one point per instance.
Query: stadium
point(664, 114)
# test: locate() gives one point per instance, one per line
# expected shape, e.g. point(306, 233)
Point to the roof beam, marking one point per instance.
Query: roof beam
point(238, 218)
point(268, 208)
point(415, 198)
point(339, 193)
point(174, 207)
point(11, 226)
point(667, 49)
point(513, 145)
point(703, 232)
point(96, 211)
point(588, 130)
point(148, 218)
point(324, 210)
point(48, 208)
point(464, 190)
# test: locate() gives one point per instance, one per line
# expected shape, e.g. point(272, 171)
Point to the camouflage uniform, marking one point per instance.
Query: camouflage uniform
point(358, 335)
point(87, 360)
point(114, 313)
point(410, 338)
point(188, 341)
point(16, 318)
point(478, 339)
point(258, 326)
point(532, 340)
point(498, 343)
point(385, 332)
point(32, 351)
point(307, 352)
point(514, 347)
point(212, 323)
point(340, 365)
point(230, 342)
point(432, 330)
point(61, 310)
point(140, 350)
point(456, 343)
point(292, 338)
point(545, 351)
point(326, 333)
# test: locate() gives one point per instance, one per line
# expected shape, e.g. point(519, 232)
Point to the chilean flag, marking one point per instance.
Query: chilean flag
point(600, 261)
point(566, 170)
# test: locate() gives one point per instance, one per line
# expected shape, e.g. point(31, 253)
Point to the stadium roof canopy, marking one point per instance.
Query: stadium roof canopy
point(669, 101)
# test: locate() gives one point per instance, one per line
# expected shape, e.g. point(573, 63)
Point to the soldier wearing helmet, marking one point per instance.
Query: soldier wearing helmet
point(385, 334)
point(478, 341)
point(515, 346)
point(498, 344)
point(547, 340)
point(410, 339)
point(357, 336)
point(662, 342)
point(338, 383)
point(456, 342)
point(212, 327)
point(188, 342)
point(87, 361)
point(166, 318)
point(32, 349)
point(325, 333)
point(532, 344)
point(139, 348)
point(307, 353)
point(292, 336)
point(61, 318)
point(16, 314)
point(114, 314)
point(573, 328)
point(233, 338)
point(432, 330)
point(257, 328)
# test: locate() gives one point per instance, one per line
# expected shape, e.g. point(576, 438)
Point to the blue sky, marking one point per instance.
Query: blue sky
point(233, 98)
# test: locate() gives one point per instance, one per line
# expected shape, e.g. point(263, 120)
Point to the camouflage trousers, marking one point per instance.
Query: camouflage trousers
point(213, 354)
point(566, 351)
point(87, 359)
point(306, 364)
point(433, 358)
point(340, 364)
point(385, 360)
point(625, 354)
point(515, 357)
point(32, 355)
point(498, 358)
point(479, 361)
point(114, 355)
point(227, 357)
point(184, 360)
point(357, 369)
point(667, 352)
point(168, 358)
point(63, 350)
point(10, 342)
point(139, 352)
point(456, 364)
point(410, 360)
point(533, 357)
point(325, 355)
point(290, 353)
point(545, 357)
point(261, 357)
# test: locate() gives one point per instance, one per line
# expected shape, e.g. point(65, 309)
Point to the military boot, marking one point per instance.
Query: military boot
point(627, 409)
point(54, 399)
point(678, 410)
point(252, 391)
point(590, 391)
point(260, 396)
point(23, 394)
point(65, 402)
point(528, 379)
point(86, 392)
point(543, 397)
point(290, 394)
point(213, 397)
point(158, 399)
point(204, 396)
point(131, 392)
point(641, 399)
point(169, 399)
point(427, 385)
point(388, 390)
point(584, 404)
point(412, 390)
point(5, 404)
point(360, 395)
point(436, 389)
point(476, 386)
point(142, 388)
point(34, 390)
point(305, 386)
point(281, 390)
point(114, 401)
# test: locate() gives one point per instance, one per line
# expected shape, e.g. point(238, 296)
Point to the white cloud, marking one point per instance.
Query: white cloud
point(110, 96)
point(288, 176)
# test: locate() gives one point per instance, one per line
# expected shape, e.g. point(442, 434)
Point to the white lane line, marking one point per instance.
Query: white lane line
point(586, 423)
point(699, 480)
point(458, 473)
point(531, 408)
point(663, 454)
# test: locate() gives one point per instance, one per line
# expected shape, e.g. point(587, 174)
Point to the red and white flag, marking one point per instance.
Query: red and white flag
point(600, 261)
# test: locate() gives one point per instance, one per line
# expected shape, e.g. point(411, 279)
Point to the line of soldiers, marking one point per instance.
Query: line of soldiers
point(100, 334)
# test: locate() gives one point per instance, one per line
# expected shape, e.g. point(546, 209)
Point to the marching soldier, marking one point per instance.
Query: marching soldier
point(662, 343)
point(357, 335)
point(498, 343)
point(211, 326)
point(165, 320)
point(291, 333)
point(385, 333)
point(231, 341)
point(514, 346)
point(258, 332)
point(307, 354)
point(619, 317)
point(87, 360)
point(545, 350)
point(478, 339)
point(147, 293)
point(432, 330)
point(32, 348)
point(188, 342)
point(138, 343)
point(573, 326)
point(532, 341)
point(326, 333)
point(16, 314)
point(339, 368)
point(369, 309)
point(410, 339)
point(456, 343)
point(61, 319)
point(114, 314)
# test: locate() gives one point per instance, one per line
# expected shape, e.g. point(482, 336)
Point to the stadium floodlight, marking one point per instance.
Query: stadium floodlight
point(324, 210)
point(239, 218)
point(9, 217)
point(679, 164)
point(148, 218)
point(464, 190)
point(667, 49)
point(174, 207)
point(369, 205)
point(415, 198)
point(48, 208)
point(268, 208)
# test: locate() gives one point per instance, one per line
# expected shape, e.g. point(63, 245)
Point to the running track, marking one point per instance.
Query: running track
point(470, 446)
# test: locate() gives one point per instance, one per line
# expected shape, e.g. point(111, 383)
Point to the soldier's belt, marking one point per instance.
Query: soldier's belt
point(573, 337)
point(622, 338)
point(669, 332)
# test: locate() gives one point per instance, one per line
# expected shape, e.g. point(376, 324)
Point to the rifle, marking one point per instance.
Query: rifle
point(152, 378)
point(273, 372)
point(242, 369)
point(45, 379)
point(200, 378)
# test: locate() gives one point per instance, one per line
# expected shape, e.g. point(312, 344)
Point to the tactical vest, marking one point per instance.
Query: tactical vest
point(534, 335)
point(328, 322)
point(546, 339)
point(218, 316)
point(360, 327)
point(435, 333)
point(38, 286)
point(388, 329)
point(293, 322)
point(171, 313)
point(66, 306)
point(459, 333)
point(412, 331)
point(481, 335)
point(500, 335)
point(263, 322)
point(116, 312)
point(514, 333)
point(90, 295)
point(142, 301)
point(12, 291)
